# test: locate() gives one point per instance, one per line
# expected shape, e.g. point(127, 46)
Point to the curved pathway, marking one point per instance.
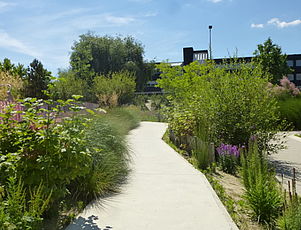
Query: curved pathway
point(287, 159)
point(164, 192)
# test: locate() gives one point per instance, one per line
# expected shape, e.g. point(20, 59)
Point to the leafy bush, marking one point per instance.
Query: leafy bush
point(228, 158)
point(68, 84)
point(290, 110)
point(116, 89)
point(38, 148)
point(262, 193)
point(230, 100)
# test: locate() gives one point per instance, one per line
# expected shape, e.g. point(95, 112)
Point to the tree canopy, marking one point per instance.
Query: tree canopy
point(8, 67)
point(94, 55)
point(270, 58)
point(36, 80)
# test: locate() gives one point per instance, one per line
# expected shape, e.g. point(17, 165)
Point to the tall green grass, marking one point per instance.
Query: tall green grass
point(105, 136)
point(122, 119)
point(290, 110)
point(291, 220)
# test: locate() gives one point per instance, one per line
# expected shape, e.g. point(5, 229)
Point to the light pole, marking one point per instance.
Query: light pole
point(210, 50)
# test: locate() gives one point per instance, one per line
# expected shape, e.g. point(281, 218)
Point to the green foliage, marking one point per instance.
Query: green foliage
point(105, 137)
point(93, 56)
point(262, 192)
point(123, 119)
point(228, 164)
point(12, 69)
point(36, 80)
point(110, 161)
point(19, 212)
point(201, 155)
point(270, 58)
point(202, 151)
point(291, 220)
point(67, 85)
point(290, 110)
point(40, 149)
point(230, 101)
point(115, 90)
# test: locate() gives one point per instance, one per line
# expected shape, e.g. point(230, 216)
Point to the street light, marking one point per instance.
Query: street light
point(210, 50)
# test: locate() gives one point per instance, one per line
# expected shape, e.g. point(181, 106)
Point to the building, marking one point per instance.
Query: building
point(293, 61)
point(191, 55)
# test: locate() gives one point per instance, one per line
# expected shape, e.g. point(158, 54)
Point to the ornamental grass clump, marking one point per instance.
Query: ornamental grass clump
point(228, 157)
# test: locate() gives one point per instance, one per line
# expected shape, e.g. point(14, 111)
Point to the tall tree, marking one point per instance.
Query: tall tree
point(270, 58)
point(8, 67)
point(93, 55)
point(36, 80)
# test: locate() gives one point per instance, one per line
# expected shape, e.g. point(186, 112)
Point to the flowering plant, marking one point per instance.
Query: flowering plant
point(285, 89)
point(228, 157)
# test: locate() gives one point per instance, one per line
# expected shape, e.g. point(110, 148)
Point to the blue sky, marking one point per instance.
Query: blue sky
point(46, 29)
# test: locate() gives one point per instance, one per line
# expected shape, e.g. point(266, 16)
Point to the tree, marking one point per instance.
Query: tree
point(12, 69)
point(270, 58)
point(67, 85)
point(36, 80)
point(93, 56)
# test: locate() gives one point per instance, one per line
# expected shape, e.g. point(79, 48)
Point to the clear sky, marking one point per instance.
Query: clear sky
point(46, 29)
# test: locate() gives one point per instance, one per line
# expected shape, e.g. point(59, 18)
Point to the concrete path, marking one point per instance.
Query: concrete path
point(288, 159)
point(164, 192)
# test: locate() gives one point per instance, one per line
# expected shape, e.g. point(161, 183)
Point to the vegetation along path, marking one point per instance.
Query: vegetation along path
point(163, 192)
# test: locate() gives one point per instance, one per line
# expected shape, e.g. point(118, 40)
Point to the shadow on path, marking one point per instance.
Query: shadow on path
point(286, 168)
point(81, 223)
point(85, 223)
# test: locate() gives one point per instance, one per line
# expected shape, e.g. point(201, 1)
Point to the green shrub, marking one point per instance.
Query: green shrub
point(232, 98)
point(38, 148)
point(18, 211)
point(116, 89)
point(290, 110)
point(262, 192)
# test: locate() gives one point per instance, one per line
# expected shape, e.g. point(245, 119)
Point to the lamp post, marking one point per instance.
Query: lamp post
point(210, 50)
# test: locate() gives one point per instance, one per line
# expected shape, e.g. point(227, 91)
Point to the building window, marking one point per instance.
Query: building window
point(298, 76)
point(298, 62)
point(290, 63)
point(290, 77)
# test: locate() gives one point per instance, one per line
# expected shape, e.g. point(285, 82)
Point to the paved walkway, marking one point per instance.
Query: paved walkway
point(164, 192)
point(288, 159)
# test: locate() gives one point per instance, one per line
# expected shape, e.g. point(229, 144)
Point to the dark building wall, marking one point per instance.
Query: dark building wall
point(187, 55)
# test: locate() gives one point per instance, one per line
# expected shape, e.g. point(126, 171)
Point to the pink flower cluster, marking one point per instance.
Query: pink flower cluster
point(286, 87)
